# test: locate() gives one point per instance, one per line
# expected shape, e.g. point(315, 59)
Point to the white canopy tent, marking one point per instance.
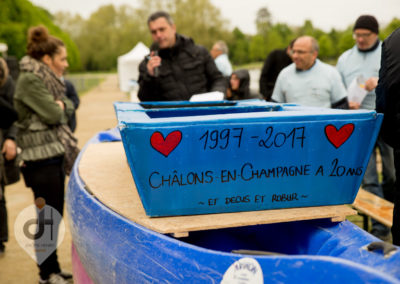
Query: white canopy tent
point(128, 65)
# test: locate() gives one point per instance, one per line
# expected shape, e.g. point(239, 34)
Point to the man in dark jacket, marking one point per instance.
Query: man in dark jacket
point(275, 62)
point(177, 68)
point(388, 102)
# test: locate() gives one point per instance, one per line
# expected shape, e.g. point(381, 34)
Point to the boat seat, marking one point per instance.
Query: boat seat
point(371, 205)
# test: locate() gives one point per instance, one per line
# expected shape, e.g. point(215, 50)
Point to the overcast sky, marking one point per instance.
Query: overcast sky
point(323, 14)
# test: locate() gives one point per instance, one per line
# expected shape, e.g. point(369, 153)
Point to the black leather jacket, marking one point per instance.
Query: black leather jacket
point(388, 90)
point(186, 69)
point(7, 112)
point(275, 62)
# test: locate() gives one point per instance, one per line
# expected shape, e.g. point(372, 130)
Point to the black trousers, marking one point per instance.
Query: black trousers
point(47, 180)
point(396, 210)
point(3, 217)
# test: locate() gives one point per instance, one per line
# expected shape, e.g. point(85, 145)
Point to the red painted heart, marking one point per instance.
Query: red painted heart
point(338, 137)
point(167, 145)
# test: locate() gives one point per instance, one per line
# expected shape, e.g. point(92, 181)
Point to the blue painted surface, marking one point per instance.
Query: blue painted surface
point(116, 250)
point(243, 156)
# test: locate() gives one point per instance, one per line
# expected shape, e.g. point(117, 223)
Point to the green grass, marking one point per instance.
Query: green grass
point(253, 65)
point(84, 82)
point(357, 220)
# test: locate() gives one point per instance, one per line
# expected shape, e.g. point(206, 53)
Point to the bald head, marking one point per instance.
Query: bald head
point(305, 52)
point(308, 41)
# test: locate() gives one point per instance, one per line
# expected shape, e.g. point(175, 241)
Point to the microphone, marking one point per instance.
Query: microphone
point(155, 48)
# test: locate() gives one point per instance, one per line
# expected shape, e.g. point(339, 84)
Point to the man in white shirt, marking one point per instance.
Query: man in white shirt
point(308, 81)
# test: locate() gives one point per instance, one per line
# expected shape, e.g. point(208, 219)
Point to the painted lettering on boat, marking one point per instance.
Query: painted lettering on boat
point(222, 139)
point(284, 197)
point(248, 173)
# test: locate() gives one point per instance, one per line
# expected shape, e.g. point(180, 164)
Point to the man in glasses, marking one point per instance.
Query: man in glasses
point(359, 68)
point(363, 60)
point(308, 81)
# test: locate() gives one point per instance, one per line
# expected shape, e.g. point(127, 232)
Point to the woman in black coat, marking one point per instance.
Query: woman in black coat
point(7, 142)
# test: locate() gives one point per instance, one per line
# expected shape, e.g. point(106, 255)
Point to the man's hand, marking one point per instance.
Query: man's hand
point(354, 105)
point(9, 149)
point(371, 83)
point(153, 62)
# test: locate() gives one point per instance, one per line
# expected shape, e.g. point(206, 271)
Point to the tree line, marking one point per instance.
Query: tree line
point(95, 43)
point(16, 16)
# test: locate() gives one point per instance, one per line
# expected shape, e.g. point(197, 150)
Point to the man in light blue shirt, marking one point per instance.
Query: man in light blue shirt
point(363, 61)
point(219, 52)
point(308, 81)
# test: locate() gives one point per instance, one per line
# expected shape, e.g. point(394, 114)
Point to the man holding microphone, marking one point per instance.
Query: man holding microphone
point(177, 68)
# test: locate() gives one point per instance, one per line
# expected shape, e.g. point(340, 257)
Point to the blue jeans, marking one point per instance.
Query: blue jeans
point(371, 178)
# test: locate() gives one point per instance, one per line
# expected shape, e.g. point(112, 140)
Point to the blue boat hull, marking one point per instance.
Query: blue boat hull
point(113, 249)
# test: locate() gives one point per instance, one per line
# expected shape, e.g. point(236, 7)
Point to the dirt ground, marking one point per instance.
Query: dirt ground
point(95, 113)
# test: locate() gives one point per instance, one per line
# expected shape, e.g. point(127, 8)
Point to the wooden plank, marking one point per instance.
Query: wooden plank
point(180, 234)
point(375, 207)
point(106, 173)
point(338, 219)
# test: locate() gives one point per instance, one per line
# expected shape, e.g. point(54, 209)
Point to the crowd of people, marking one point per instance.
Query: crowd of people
point(37, 111)
point(178, 68)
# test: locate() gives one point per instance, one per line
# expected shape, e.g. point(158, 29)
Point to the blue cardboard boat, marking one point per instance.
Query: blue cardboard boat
point(113, 249)
point(211, 157)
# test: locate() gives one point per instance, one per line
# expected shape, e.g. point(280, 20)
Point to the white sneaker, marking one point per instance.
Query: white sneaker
point(66, 275)
point(54, 279)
